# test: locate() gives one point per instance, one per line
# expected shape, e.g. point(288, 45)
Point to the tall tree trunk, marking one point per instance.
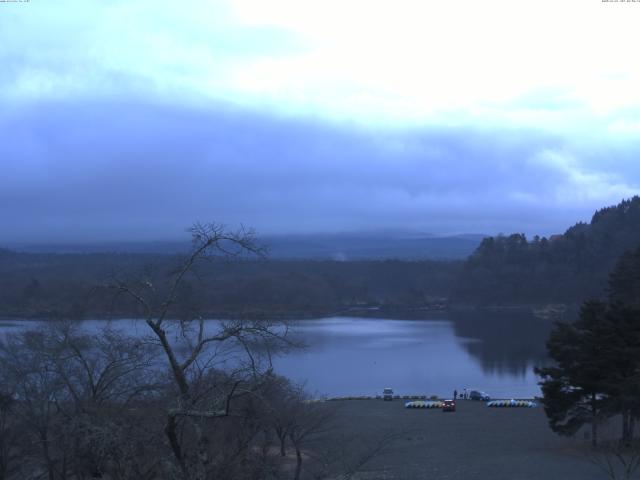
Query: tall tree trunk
point(170, 431)
point(266, 442)
point(625, 427)
point(51, 473)
point(594, 421)
point(298, 463)
point(203, 450)
point(282, 436)
point(178, 373)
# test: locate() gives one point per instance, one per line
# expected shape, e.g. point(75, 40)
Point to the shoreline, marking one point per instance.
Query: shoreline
point(473, 443)
point(542, 311)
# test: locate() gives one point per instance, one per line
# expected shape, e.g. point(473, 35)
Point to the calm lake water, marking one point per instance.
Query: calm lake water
point(491, 351)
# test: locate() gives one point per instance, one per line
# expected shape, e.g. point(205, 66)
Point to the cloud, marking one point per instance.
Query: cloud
point(412, 62)
point(152, 49)
point(132, 170)
point(131, 119)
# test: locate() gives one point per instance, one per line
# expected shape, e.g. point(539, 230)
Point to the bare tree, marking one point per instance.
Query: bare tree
point(10, 448)
point(193, 347)
point(73, 398)
point(615, 459)
point(281, 401)
point(309, 421)
point(38, 390)
point(312, 429)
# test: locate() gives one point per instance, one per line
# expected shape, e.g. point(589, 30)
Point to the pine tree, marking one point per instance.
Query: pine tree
point(624, 280)
point(575, 388)
point(597, 359)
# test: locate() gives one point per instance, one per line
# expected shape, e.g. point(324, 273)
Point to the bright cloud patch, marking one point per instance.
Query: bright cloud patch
point(411, 61)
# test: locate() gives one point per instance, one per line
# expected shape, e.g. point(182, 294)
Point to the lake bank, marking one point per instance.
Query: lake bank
point(474, 443)
point(542, 310)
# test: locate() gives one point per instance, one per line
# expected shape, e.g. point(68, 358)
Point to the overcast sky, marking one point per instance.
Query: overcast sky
point(133, 119)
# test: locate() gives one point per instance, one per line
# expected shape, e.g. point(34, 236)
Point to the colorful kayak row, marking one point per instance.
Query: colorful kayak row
point(378, 397)
point(512, 403)
point(424, 404)
point(494, 403)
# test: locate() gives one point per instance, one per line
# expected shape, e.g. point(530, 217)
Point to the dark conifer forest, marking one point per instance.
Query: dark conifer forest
point(563, 268)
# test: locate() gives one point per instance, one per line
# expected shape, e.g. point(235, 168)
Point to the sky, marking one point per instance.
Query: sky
point(130, 120)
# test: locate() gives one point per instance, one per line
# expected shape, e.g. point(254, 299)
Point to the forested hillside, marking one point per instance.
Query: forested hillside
point(340, 246)
point(564, 268)
point(63, 285)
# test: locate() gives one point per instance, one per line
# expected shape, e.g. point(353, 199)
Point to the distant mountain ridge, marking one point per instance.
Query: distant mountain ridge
point(341, 246)
point(371, 247)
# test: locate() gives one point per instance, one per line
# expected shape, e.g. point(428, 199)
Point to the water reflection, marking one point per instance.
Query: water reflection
point(508, 341)
point(491, 350)
point(494, 351)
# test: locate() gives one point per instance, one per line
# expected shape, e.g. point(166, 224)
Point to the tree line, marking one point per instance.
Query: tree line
point(65, 285)
point(560, 269)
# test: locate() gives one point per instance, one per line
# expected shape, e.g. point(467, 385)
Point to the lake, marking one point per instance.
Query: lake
point(494, 351)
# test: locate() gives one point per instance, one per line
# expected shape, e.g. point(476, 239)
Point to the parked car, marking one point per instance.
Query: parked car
point(449, 406)
point(479, 395)
point(387, 394)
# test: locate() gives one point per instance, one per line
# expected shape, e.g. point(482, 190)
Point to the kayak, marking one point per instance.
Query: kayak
point(424, 404)
point(512, 403)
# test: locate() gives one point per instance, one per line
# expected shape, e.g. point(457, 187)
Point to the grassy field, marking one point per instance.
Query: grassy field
point(475, 442)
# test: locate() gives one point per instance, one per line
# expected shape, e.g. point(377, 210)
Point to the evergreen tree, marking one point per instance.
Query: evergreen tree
point(624, 340)
point(563, 268)
point(575, 388)
point(621, 351)
point(624, 280)
point(597, 359)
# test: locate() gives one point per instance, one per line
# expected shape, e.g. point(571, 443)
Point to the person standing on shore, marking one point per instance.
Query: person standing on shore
point(464, 394)
point(455, 394)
